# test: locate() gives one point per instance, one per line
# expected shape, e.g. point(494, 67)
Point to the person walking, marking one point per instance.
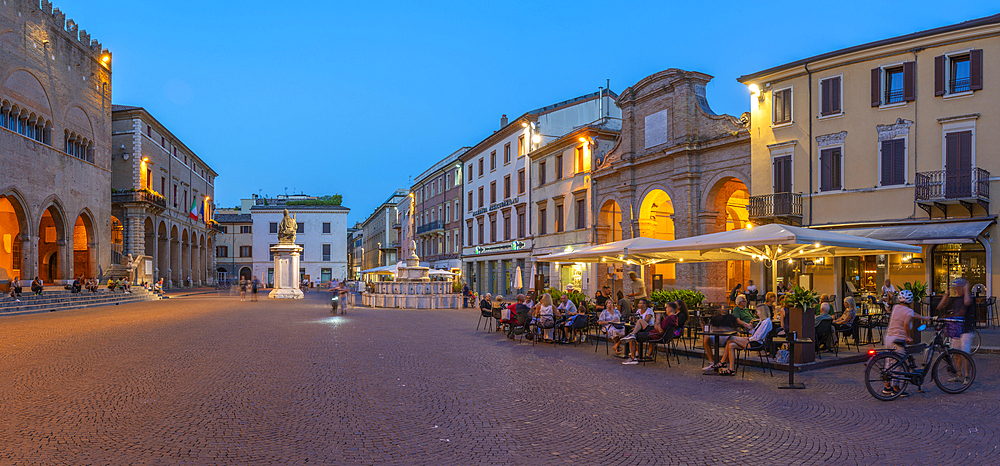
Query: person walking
point(961, 307)
point(254, 285)
point(243, 289)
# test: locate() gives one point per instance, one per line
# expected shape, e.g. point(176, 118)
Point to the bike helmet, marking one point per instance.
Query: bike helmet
point(905, 296)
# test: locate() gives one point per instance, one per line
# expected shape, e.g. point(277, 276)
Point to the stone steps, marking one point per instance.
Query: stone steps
point(61, 300)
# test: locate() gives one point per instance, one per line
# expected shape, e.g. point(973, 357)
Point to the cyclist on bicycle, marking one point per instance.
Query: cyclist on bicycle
point(897, 333)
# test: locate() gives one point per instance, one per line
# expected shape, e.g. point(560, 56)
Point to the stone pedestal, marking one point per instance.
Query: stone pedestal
point(286, 272)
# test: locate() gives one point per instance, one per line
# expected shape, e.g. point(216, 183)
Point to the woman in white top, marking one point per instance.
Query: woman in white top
point(608, 317)
point(756, 341)
point(546, 317)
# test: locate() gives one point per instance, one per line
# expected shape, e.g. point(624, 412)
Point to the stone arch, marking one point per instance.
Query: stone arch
point(162, 253)
point(22, 86)
point(656, 220)
point(609, 221)
point(15, 231)
point(52, 242)
point(245, 272)
point(730, 198)
point(85, 245)
point(148, 237)
point(79, 120)
point(714, 184)
point(175, 255)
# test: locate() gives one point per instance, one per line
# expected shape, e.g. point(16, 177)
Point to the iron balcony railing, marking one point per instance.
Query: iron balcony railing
point(776, 205)
point(139, 196)
point(970, 183)
point(893, 96)
point(431, 226)
point(960, 85)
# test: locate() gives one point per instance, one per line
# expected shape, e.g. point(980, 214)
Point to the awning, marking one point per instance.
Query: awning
point(928, 233)
point(385, 269)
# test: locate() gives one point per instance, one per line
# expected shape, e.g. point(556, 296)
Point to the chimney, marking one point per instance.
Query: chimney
point(503, 120)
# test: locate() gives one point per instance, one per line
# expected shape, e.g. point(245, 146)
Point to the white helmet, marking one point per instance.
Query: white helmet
point(905, 296)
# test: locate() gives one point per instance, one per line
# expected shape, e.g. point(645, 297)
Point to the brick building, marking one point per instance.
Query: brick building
point(55, 114)
point(437, 215)
point(161, 201)
point(678, 170)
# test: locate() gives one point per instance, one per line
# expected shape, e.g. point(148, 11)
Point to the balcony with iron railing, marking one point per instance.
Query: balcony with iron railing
point(966, 187)
point(141, 196)
point(430, 227)
point(776, 207)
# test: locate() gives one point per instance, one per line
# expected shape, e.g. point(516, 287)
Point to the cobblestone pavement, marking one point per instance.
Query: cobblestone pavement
point(206, 380)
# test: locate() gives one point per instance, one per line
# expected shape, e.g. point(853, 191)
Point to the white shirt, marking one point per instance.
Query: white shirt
point(751, 288)
point(760, 333)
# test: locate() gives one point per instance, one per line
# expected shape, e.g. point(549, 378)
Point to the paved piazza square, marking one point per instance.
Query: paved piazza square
point(210, 380)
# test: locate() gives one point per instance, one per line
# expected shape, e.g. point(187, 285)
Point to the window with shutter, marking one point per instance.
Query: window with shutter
point(893, 161)
point(830, 96)
point(976, 70)
point(781, 111)
point(830, 172)
point(893, 85)
point(782, 174)
point(909, 81)
point(876, 87)
point(939, 75)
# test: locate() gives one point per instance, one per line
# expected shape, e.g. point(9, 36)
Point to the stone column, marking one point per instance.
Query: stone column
point(65, 265)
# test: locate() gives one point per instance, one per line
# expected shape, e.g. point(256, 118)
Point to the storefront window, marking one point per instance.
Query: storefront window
point(953, 261)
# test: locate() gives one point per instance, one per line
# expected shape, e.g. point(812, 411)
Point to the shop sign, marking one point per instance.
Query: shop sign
point(513, 246)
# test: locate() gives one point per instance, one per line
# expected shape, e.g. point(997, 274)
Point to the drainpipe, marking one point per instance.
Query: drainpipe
point(914, 129)
point(810, 143)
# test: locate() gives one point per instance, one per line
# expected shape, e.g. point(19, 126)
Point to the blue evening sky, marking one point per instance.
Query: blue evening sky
point(356, 98)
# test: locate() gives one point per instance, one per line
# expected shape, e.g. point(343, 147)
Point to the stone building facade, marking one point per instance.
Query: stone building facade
point(678, 170)
point(437, 214)
point(380, 239)
point(498, 225)
point(161, 198)
point(563, 202)
point(55, 115)
point(322, 235)
point(234, 243)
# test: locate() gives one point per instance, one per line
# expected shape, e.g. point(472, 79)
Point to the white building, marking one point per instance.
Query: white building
point(322, 234)
point(497, 199)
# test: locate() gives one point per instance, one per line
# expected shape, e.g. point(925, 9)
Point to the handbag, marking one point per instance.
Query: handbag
point(782, 357)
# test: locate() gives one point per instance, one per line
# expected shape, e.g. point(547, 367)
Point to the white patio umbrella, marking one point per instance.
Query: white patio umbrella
point(518, 282)
point(531, 278)
point(769, 243)
point(618, 251)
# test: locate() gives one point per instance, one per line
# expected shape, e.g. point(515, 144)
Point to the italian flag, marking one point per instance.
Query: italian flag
point(194, 209)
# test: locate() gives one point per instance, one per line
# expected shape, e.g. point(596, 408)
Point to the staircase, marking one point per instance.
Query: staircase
point(115, 272)
point(61, 300)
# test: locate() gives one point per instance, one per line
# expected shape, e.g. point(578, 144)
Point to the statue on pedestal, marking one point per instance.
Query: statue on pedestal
point(286, 230)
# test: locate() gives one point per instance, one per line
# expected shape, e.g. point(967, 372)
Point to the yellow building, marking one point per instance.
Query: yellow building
point(890, 140)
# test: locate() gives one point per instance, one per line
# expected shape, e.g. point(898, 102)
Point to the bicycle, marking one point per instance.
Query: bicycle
point(976, 341)
point(888, 373)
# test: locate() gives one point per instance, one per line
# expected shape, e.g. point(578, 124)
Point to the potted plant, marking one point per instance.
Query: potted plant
point(801, 298)
point(919, 291)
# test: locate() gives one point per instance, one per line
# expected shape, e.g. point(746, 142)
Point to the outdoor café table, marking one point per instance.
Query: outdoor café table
point(717, 334)
point(791, 362)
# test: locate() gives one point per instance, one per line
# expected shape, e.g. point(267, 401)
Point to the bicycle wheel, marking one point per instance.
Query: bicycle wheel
point(976, 341)
point(954, 371)
point(880, 379)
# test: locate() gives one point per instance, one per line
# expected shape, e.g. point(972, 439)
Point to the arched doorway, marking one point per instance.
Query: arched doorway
point(221, 274)
point(656, 220)
point(731, 198)
point(51, 238)
point(11, 255)
point(84, 259)
point(163, 253)
point(609, 230)
point(246, 273)
point(175, 256)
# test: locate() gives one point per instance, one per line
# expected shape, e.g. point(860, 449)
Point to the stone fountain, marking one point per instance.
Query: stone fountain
point(412, 289)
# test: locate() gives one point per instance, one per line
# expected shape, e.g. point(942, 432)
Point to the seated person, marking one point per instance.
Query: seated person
point(650, 332)
point(824, 315)
point(545, 317)
point(742, 311)
point(722, 321)
point(497, 309)
point(645, 318)
point(844, 322)
point(755, 342)
point(570, 314)
point(601, 299)
point(76, 285)
point(486, 305)
point(36, 286)
point(607, 320)
point(781, 315)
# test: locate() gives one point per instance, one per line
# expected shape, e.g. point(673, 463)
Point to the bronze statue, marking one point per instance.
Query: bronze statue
point(286, 230)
